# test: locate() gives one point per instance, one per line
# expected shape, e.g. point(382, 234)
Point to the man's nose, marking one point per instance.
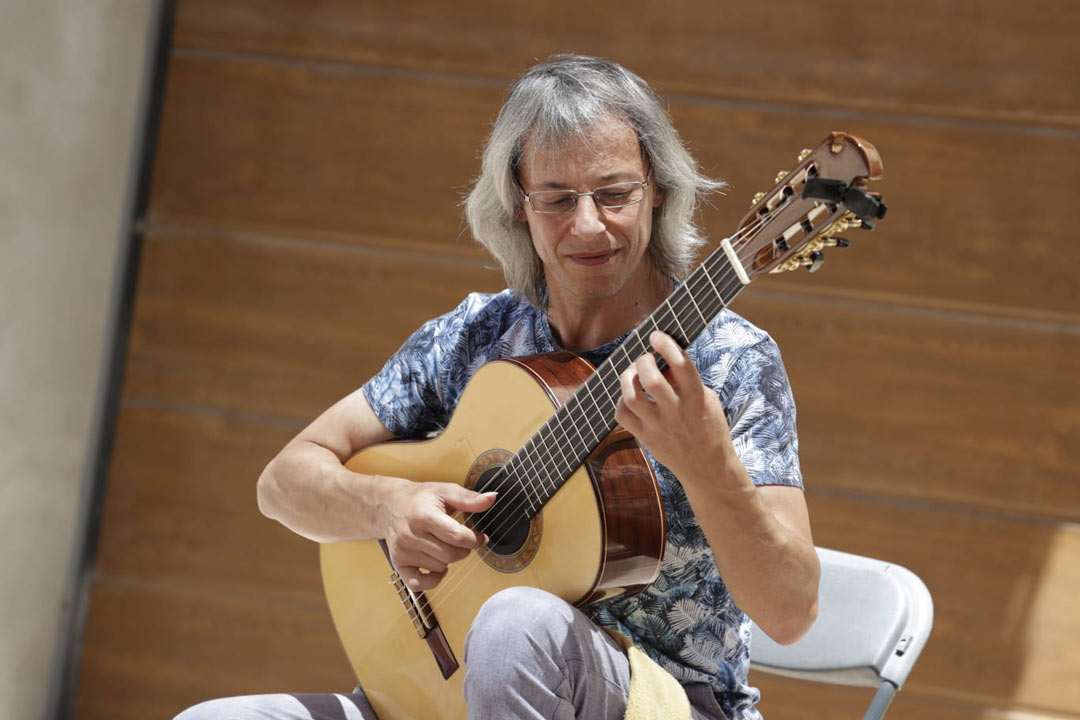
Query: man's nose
point(587, 217)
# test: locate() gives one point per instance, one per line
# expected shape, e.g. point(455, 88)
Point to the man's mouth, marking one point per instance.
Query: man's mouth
point(594, 258)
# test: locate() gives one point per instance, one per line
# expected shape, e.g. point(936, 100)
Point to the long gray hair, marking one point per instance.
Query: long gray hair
point(571, 96)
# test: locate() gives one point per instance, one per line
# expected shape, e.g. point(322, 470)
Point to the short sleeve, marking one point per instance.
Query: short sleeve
point(409, 394)
point(749, 376)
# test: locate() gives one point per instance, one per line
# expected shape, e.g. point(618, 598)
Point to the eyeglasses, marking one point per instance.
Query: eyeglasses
point(560, 202)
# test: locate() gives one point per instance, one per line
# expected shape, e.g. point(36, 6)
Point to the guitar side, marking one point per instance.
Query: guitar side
point(600, 535)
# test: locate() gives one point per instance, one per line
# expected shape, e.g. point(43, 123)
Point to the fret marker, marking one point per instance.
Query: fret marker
point(740, 271)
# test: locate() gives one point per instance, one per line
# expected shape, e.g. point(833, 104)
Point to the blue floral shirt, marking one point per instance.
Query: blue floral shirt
point(686, 621)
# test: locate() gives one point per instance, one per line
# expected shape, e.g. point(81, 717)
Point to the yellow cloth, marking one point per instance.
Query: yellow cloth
point(654, 693)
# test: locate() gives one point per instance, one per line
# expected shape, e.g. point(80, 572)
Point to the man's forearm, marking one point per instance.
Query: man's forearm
point(770, 569)
point(307, 489)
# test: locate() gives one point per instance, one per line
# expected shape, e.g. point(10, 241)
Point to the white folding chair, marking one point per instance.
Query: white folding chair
point(873, 620)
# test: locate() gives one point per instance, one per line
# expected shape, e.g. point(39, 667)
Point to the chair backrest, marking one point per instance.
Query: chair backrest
point(873, 620)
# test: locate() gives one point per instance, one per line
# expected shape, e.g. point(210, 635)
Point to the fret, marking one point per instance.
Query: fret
point(560, 447)
point(682, 336)
point(704, 320)
point(708, 277)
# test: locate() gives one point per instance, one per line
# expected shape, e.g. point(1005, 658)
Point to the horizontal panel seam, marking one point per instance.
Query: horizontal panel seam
point(999, 706)
point(764, 106)
point(856, 300)
point(944, 508)
point(340, 66)
point(262, 597)
point(145, 403)
point(478, 260)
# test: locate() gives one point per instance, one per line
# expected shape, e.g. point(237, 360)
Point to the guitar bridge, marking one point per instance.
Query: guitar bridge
point(423, 620)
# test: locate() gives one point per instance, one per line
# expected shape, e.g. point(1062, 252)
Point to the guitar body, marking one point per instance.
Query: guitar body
point(600, 535)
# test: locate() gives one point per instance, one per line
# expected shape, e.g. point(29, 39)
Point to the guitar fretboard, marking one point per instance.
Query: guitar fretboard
point(560, 446)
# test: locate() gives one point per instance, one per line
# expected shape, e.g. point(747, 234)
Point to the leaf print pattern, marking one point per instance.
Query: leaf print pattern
point(686, 621)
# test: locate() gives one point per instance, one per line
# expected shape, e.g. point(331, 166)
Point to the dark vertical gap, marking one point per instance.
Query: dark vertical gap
point(61, 700)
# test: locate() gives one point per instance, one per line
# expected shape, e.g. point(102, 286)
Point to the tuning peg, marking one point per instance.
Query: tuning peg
point(758, 197)
point(815, 261)
point(780, 176)
point(842, 242)
point(805, 154)
point(867, 224)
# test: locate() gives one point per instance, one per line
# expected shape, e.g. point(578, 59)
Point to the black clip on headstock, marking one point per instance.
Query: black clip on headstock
point(866, 206)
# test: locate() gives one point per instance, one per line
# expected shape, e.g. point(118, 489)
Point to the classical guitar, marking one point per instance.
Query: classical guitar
point(579, 512)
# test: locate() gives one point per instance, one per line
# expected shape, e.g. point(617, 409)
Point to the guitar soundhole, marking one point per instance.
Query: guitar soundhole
point(513, 531)
point(507, 522)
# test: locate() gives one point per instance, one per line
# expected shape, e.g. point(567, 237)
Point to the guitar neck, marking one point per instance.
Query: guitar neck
point(785, 228)
point(561, 445)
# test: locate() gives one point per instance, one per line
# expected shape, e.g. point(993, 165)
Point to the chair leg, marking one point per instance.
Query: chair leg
point(881, 701)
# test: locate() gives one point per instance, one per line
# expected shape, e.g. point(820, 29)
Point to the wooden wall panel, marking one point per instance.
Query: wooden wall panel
point(787, 699)
point(283, 329)
point(285, 150)
point(898, 403)
point(152, 650)
point(978, 217)
point(923, 406)
point(195, 524)
point(959, 59)
point(1004, 609)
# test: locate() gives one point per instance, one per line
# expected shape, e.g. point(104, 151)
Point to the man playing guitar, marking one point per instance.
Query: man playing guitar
point(586, 198)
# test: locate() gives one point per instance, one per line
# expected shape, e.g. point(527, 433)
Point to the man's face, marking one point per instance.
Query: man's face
point(591, 254)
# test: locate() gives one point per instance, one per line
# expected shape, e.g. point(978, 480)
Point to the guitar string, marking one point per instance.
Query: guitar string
point(471, 562)
point(462, 573)
point(544, 462)
point(525, 459)
point(529, 456)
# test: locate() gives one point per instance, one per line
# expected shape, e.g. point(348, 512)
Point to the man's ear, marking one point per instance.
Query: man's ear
point(658, 198)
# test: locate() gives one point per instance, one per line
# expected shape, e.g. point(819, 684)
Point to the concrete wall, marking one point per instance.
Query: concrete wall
point(70, 81)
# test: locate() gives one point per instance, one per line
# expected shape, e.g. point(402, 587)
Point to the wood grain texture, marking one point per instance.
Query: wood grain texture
point(152, 650)
point(979, 217)
point(1005, 618)
point(930, 406)
point(955, 60)
point(240, 312)
point(180, 507)
point(283, 150)
point(788, 699)
point(904, 404)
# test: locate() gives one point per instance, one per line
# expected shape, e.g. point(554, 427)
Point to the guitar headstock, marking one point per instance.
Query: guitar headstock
point(810, 205)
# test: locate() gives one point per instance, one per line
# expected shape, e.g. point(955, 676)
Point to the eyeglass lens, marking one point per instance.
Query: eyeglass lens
point(610, 196)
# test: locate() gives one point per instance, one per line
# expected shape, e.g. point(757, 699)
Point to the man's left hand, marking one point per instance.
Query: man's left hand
point(674, 414)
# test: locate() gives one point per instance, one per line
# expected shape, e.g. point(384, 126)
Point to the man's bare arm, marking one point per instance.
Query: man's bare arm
point(760, 536)
point(307, 488)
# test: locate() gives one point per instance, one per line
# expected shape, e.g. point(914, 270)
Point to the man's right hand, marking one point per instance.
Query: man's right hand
point(423, 537)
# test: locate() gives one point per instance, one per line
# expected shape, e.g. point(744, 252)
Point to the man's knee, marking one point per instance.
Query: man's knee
point(251, 707)
point(518, 616)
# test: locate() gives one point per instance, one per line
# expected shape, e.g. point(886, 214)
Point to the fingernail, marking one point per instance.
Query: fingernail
point(493, 493)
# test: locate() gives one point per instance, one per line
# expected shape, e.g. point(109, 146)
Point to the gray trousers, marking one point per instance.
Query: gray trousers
point(528, 655)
